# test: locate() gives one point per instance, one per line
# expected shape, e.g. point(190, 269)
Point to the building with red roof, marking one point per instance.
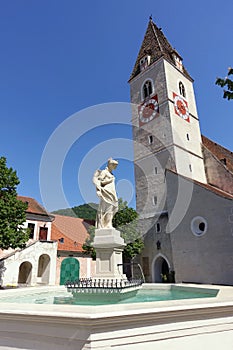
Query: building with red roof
point(53, 253)
point(70, 233)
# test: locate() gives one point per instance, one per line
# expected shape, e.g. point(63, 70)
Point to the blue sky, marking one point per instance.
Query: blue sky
point(60, 57)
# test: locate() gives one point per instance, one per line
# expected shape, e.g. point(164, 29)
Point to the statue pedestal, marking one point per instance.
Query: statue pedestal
point(109, 247)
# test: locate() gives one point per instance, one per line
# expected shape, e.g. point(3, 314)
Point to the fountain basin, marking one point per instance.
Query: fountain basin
point(176, 324)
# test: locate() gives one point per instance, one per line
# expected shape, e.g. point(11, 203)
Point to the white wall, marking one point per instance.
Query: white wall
point(30, 254)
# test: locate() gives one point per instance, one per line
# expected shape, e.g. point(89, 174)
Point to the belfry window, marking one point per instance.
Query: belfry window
point(147, 89)
point(144, 62)
point(150, 139)
point(182, 89)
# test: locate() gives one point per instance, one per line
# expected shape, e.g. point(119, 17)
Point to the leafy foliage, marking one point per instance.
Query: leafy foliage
point(124, 216)
point(84, 211)
point(132, 249)
point(12, 210)
point(228, 83)
point(87, 246)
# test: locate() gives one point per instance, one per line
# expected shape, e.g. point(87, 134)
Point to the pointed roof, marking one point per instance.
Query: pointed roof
point(156, 45)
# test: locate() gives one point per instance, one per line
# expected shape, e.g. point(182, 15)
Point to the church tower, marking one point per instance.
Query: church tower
point(166, 129)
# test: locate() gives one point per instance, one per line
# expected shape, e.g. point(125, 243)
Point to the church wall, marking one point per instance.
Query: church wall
point(155, 72)
point(186, 132)
point(189, 165)
point(159, 127)
point(174, 76)
point(202, 258)
point(157, 243)
point(217, 173)
point(150, 183)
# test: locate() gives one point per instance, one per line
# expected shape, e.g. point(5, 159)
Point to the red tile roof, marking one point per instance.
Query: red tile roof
point(219, 152)
point(72, 230)
point(33, 206)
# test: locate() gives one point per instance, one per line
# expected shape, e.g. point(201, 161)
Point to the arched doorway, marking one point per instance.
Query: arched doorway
point(160, 269)
point(44, 268)
point(69, 270)
point(25, 273)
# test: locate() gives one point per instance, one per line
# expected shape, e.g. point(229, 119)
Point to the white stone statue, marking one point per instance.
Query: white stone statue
point(104, 181)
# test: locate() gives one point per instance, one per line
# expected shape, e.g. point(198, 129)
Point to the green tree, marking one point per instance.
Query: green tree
point(12, 210)
point(84, 211)
point(228, 93)
point(87, 246)
point(125, 220)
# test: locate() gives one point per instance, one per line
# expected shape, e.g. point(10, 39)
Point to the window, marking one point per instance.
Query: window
point(190, 167)
point(182, 89)
point(43, 233)
point(188, 137)
point(61, 240)
point(156, 170)
point(144, 62)
point(158, 227)
point(31, 229)
point(147, 89)
point(155, 200)
point(223, 161)
point(198, 226)
point(178, 61)
point(201, 226)
point(150, 139)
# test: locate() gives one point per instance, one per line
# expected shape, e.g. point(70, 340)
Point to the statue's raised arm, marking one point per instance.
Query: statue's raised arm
point(104, 182)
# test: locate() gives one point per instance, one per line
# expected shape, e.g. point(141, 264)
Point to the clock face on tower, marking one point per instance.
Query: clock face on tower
point(148, 110)
point(181, 107)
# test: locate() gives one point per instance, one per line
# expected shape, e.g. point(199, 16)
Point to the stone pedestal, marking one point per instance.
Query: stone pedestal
point(109, 247)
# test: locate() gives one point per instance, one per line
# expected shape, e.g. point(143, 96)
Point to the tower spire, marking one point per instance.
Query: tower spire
point(156, 45)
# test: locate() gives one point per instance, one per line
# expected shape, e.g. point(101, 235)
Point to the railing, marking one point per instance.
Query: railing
point(113, 284)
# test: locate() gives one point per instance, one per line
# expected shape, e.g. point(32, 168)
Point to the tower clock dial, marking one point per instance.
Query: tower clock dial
point(148, 110)
point(181, 107)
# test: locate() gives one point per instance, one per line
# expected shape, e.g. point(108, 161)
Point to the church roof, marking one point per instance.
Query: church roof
point(156, 45)
point(208, 187)
point(220, 152)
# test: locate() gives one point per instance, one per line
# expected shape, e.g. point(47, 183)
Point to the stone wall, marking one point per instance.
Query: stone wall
point(217, 172)
point(202, 243)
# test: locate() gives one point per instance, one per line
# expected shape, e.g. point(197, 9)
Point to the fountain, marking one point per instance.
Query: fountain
point(176, 324)
point(109, 281)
